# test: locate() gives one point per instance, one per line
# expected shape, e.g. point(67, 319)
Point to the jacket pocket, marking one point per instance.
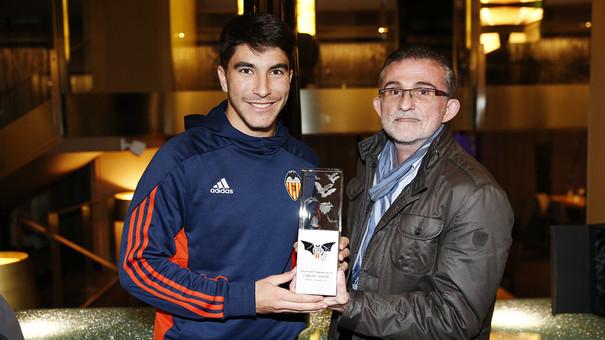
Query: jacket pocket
point(354, 188)
point(415, 243)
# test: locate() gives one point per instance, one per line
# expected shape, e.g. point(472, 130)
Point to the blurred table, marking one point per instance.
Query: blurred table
point(574, 207)
point(570, 200)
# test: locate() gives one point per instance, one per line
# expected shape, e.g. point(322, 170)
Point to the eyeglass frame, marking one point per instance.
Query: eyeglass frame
point(437, 93)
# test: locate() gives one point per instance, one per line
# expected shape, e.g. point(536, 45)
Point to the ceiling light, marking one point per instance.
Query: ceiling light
point(490, 42)
point(305, 16)
point(509, 15)
point(240, 7)
point(507, 2)
point(530, 34)
point(517, 38)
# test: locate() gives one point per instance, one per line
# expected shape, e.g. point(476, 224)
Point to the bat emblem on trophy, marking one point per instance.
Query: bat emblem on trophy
point(318, 250)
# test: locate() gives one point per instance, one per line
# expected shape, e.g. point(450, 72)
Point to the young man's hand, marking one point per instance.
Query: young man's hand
point(271, 298)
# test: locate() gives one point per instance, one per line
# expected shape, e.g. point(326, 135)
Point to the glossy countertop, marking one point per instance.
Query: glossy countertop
point(519, 319)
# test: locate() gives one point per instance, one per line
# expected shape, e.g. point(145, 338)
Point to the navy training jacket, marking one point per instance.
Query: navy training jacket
point(210, 216)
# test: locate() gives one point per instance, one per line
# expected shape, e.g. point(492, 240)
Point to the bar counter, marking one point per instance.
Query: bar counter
point(518, 319)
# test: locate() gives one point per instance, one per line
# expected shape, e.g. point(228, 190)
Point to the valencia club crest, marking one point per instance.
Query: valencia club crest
point(292, 184)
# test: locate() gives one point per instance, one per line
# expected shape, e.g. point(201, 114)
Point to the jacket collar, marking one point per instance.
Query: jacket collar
point(217, 123)
point(371, 147)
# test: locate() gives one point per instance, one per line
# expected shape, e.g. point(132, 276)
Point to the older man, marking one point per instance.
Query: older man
point(431, 228)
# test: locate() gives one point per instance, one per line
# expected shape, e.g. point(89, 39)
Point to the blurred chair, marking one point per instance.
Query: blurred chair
point(535, 235)
point(557, 213)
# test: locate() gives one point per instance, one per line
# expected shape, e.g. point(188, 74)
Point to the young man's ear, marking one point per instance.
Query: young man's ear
point(222, 78)
point(451, 110)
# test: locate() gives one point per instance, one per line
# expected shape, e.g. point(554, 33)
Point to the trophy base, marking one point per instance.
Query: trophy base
point(317, 264)
point(318, 326)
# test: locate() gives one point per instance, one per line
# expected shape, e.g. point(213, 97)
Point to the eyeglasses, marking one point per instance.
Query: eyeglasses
point(419, 93)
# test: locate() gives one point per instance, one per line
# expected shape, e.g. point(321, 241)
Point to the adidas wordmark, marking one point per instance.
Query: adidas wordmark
point(221, 187)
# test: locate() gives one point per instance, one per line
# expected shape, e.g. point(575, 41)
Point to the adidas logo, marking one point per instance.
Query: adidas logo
point(221, 187)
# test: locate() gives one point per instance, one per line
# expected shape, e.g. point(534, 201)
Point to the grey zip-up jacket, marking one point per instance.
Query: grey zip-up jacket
point(435, 261)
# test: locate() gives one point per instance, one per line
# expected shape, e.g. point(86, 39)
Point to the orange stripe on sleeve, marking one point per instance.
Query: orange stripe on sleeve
point(215, 298)
point(132, 249)
point(129, 249)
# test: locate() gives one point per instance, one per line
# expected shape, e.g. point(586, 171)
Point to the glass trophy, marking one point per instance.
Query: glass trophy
point(319, 226)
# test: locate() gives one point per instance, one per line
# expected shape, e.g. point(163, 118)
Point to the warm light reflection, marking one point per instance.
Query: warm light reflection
point(490, 42)
point(182, 23)
point(7, 260)
point(517, 38)
point(383, 30)
point(588, 24)
point(530, 34)
point(305, 16)
point(506, 15)
point(122, 170)
point(468, 24)
point(34, 329)
point(124, 196)
point(81, 82)
point(64, 163)
point(66, 47)
point(505, 318)
point(507, 2)
point(8, 257)
point(303, 214)
point(498, 335)
point(240, 7)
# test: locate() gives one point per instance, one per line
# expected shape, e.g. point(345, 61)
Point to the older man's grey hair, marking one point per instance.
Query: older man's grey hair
point(420, 53)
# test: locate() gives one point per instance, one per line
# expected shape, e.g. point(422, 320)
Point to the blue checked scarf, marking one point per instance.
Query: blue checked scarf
point(388, 177)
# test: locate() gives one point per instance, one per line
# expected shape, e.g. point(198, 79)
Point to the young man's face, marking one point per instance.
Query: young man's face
point(257, 85)
point(409, 120)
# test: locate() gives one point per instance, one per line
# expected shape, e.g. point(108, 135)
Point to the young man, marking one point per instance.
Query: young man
point(210, 231)
point(431, 228)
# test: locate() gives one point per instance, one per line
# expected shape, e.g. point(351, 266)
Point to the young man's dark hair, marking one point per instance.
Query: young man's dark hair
point(257, 31)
